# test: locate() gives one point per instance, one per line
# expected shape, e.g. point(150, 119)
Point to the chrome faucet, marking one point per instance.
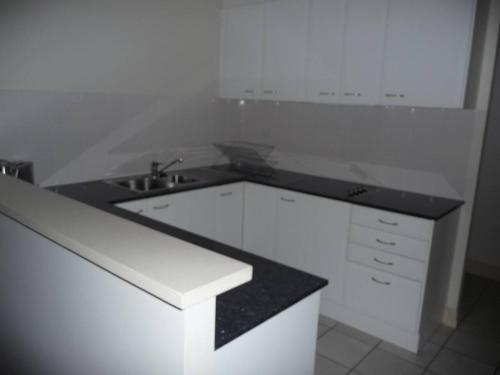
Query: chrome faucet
point(156, 171)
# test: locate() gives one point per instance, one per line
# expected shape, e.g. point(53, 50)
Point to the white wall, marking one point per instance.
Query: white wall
point(414, 149)
point(95, 88)
point(483, 254)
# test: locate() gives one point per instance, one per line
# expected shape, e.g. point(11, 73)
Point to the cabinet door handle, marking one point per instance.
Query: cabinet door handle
point(394, 224)
point(139, 212)
point(382, 262)
point(248, 91)
point(287, 200)
point(161, 207)
point(394, 95)
point(382, 242)
point(386, 283)
point(226, 194)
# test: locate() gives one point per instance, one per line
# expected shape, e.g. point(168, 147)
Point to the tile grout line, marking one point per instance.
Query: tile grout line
point(332, 360)
point(441, 346)
point(364, 357)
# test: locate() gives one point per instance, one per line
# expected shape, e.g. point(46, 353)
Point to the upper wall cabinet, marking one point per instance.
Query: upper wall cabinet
point(285, 50)
point(427, 52)
point(326, 40)
point(363, 51)
point(242, 29)
point(388, 52)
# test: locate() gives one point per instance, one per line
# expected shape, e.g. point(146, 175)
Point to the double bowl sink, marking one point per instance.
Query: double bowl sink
point(148, 183)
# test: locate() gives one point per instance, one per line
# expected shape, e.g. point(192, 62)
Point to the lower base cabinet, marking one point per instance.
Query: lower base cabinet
point(229, 214)
point(311, 235)
point(192, 211)
point(388, 273)
point(259, 220)
point(392, 299)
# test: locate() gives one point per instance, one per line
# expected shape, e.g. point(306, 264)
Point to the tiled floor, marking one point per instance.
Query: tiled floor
point(472, 349)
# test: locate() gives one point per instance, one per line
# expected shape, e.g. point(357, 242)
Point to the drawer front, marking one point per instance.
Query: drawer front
point(380, 295)
point(384, 261)
point(409, 247)
point(391, 222)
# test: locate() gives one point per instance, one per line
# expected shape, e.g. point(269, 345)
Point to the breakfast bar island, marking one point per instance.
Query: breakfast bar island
point(88, 290)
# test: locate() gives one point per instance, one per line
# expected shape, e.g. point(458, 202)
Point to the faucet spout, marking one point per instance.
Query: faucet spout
point(156, 171)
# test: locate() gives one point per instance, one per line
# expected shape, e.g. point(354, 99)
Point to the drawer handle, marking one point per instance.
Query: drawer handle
point(394, 224)
point(268, 91)
point(324, 93)
point(249, 91)
point(161, 207)
point(287, 200)
point(386, 283)
point(382, 262)
point(139, 212)
point(382, 242)
point(226, 194)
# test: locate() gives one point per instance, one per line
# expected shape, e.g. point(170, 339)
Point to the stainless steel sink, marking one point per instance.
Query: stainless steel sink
point(144, 184)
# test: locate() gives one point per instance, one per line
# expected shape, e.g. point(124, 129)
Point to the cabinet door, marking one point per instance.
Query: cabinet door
point(259, 220)
point(427, 52)
point(193, 211)
point(229, 214)
point(363, 51)
point(285, 50)
point(241, 50)
point(137, 206)
point(312, 235)
point(326, 37)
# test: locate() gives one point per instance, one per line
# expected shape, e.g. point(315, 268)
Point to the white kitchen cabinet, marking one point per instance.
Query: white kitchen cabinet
point(259, 220)
point(363, 54)
point(285, 50)
point(138, 206)
point(193, 211)
point(312, 235)
point(390, 298)
point(325, 44)
point(427, 52)
point(242, 30)
point(229, 214)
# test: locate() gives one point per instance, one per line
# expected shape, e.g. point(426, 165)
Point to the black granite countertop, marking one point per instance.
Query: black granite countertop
point(274, 287)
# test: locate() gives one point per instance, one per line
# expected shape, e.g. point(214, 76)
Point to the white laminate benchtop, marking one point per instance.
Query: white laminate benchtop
point(177, 272)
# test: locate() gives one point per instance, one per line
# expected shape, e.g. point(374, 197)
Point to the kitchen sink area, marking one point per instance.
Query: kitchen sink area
point(148, 183)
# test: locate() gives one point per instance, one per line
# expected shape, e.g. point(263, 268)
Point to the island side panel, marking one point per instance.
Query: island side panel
point(63, 315)
point(284, 344)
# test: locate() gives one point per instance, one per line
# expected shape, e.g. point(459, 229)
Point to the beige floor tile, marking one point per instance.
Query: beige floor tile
point(451, 363)
point(441, 335)
point(322, 329)
point(326, 367)
point(424, 356)
point(342, 349)
point(357, 334)
point(380, 362)
point(475, 347)
point(327, 321)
